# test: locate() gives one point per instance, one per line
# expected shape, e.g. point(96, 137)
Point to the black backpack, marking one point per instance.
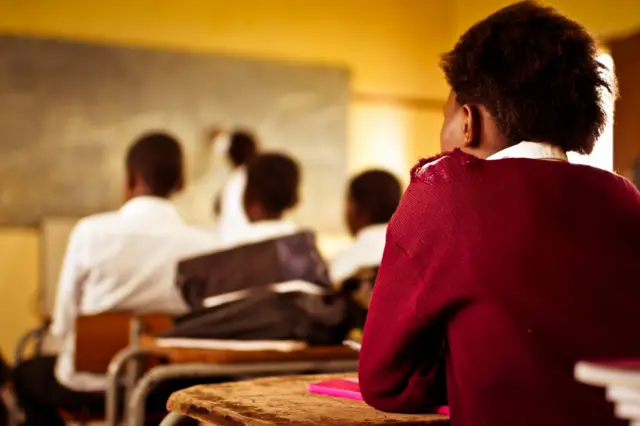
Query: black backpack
point(277, 289)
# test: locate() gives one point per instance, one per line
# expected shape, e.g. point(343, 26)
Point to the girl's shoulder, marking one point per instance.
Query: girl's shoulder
point(442, 167)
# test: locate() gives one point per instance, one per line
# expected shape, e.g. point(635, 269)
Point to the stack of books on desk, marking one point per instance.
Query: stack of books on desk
point(621, 379)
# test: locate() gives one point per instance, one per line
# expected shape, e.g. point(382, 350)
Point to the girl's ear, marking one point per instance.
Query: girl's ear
point(471, 126)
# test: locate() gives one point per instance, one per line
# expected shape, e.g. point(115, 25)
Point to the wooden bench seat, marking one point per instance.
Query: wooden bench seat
point(100, 337)
point(209, 356)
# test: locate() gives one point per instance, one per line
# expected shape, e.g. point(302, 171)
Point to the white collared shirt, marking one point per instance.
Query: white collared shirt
point(532, 150)
point(366, 251)
point(123, 260)
point(525, 149)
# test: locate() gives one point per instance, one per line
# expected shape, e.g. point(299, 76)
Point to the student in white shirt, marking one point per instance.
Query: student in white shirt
point(271, 191)
point(123, 260)
point(372, 198)
point(229, 209)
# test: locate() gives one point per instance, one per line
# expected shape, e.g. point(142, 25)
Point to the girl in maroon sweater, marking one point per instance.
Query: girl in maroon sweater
point(505, 264)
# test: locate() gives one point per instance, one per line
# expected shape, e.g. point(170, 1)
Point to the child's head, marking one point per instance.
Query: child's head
point(154, 166)
point(372, 198)
point(525, 73)
point(242, 147)
point(272, 186)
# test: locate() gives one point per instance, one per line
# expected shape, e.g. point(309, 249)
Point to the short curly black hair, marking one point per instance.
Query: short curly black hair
point(157, 158)
point(272, 180)
point(536, 72)
point(377, 193)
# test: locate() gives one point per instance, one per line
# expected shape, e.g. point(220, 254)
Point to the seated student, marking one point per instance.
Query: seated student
point(372, 198)
point(122, 260)
point(271, 190)
point(269, 282)
point(506, 272)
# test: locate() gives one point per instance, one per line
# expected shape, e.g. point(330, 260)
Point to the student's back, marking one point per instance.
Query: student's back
point(569, 293)
point(503, 261)
point(131, 254)
point(546, 274)
point(123, 260)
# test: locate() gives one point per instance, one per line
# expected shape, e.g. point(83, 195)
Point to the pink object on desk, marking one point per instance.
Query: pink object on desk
point(349, 388)
point(343, 388)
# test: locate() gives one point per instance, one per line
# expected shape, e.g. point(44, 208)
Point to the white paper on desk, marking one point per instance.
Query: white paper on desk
point(232, 345)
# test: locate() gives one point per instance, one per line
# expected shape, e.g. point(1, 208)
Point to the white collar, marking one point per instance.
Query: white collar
point(371, 232)
point(146, 205)
point(532, 150)
point(273, 228)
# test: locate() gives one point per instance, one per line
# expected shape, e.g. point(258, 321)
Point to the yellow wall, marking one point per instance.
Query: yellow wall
point(19, 274)
point(379, 133)
point(390, 46)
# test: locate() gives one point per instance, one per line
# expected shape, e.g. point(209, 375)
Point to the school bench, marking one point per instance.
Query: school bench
point(115, 342)
point(98, 340)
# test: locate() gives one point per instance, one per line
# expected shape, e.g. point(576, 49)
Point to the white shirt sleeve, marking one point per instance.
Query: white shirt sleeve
point(72, 275)
point(342, 266)
point(233, 218)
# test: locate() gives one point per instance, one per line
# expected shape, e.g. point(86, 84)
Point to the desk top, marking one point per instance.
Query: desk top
point(283, 400)
point(187, 355)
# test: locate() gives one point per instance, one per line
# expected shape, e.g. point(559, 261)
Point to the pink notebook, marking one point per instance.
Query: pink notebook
point(349, 388)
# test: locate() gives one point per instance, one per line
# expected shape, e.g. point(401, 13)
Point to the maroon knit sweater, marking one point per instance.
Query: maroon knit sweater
point(507, 272)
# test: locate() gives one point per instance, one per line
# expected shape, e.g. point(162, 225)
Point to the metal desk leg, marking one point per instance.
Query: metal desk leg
point(15, 416)
point(134, 365)
point(135, 412)
point(37, 335)
point(113, 375)
point(172, 419)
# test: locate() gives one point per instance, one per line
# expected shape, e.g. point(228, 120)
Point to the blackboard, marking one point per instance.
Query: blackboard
point(70, 110)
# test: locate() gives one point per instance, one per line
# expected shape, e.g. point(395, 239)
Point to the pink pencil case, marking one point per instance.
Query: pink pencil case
point(350, 388)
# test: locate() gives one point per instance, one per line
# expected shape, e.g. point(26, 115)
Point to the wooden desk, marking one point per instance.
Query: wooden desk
point(282, 400)
point(207, 363)
point(209, 356)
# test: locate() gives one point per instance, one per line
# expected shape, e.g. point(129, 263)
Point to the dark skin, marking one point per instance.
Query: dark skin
point(470, 128)
point(217, 206)
point(357, 219)
point(256, 212)
point(135, 186)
